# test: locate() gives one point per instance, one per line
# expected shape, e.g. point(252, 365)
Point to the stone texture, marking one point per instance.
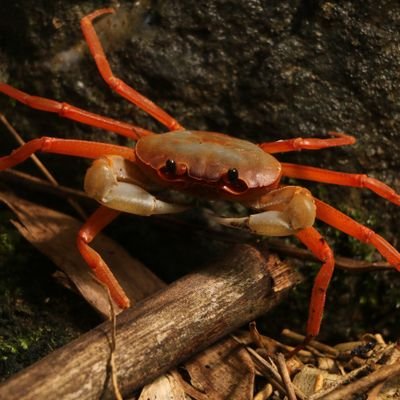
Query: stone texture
point(262, 70)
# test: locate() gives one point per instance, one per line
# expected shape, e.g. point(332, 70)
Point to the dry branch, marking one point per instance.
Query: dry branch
point(159, 332)
point(361, 385)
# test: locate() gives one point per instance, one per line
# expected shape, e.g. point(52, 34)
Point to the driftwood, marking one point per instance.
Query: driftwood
point(159, 332)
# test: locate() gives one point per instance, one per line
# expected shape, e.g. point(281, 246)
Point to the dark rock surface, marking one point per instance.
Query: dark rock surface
point(262, 70)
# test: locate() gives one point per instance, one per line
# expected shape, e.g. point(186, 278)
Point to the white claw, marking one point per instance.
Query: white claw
point(285, 212)
point(106, 182)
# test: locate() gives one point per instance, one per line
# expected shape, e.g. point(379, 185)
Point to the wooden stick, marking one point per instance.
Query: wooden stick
point(322, 347)
point(50, 178)
point(287, 382)
point(36, 184)
point(161, 331)
point(365, 383)
point(271, 373)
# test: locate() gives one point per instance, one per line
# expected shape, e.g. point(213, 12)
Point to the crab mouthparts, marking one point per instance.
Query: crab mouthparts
point(179, 174)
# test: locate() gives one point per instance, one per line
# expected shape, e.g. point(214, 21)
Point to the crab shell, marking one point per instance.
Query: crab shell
point(203, 161)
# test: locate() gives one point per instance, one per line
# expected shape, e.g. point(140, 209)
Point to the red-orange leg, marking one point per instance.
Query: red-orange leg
point(97, 222)
point(102, 217)
point(77, 114)
point(344, 223)
point(115, 83)
point(78, 148)
point(283, 146)
point(340, 178)
point(311, 238)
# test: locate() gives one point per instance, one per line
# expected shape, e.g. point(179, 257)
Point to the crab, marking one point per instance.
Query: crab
point(205, 164)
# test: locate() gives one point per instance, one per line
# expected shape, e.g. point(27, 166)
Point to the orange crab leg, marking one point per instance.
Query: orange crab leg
point(282, 146)
point(340, 178)
point(115, 83)
point(97, 222)
point(102, 217)
point(344, 223)
point(78, 148)
point(312, 239)
point(77, 114)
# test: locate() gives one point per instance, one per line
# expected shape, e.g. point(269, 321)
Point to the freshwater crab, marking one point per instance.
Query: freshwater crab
point(207, 164)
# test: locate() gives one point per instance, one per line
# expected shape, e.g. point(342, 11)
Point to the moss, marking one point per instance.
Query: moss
point(36, 315)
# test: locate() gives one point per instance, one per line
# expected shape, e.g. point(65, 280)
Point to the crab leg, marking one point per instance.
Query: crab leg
point(290, 210)
point(69, 111)
point(312, 239)
point(340, 178)
point(97, 222)
point(115, 83)
point(344, 223)
point(282, 146)
point(78, 148)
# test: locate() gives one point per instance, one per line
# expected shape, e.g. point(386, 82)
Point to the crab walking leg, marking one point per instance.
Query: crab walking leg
point(77, 114)
point(115, 83)
point(97, 222)
point(340, 178)
point(311, 238)
point(282, 146)
point(290, 210)
point(342, 222)
point(78, 148)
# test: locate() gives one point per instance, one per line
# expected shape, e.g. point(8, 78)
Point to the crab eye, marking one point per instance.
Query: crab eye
point(232, 183)
point(170, 167)
point(233, 175)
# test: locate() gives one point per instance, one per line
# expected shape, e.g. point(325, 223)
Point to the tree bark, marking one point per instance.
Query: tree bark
point(159, 332)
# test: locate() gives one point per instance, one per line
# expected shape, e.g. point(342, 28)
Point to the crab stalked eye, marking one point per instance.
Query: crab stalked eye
point(232, 183)
point(233, 175)
point(172, 171)
point(170, 167)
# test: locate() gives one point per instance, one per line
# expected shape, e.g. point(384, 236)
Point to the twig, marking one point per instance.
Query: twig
point(113, 345)
point(42, 185)
point(264, 393)
point(271, 372)
point(35, 159)
point(363, 384)
point(369, 365)
point(340, 262)
point(282, 367)
point(41, 166)
point(271, 345)
point(313, 343)
point(373, 394)
point(268, 370)
point(347, 378)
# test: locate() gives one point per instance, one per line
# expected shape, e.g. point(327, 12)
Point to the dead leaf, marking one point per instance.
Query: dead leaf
point(311, 380)
point(223, 371)
point(54, 234)
point(164, 387)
